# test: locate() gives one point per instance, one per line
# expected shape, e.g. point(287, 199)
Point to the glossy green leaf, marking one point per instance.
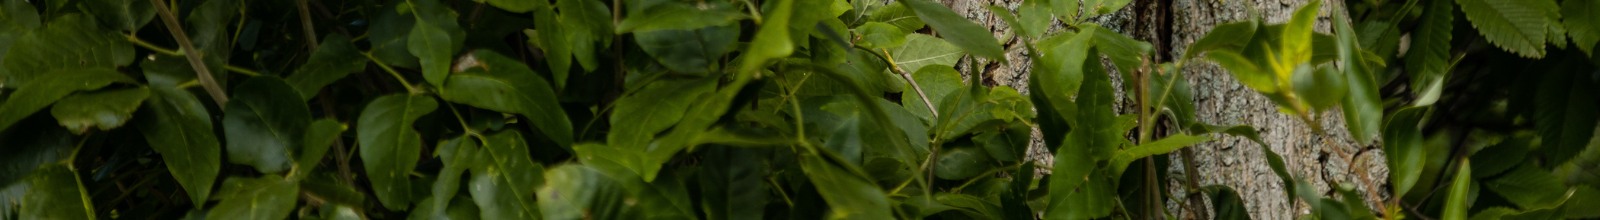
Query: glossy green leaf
point(849, 196)
point(458, 154)
point(881, 35)
point(34, 96)
point(65, 43)
point(1565, 114)
point(1428, 60)
point(265, 197)
point(971, 37)
point(320, 135)
point(1583, 24)
point(1455, 203)
point(1245, 70)
point(334, 59)
point(960, 163)
point(772, 40)
point(688, 51)
point(1518, 26)
point(390, 147)
point(56, 192)
point(681, 16)
point(176, 125)
point(1296, 41)
point(938, 82)
point(502, 84)
point(1529, 187)
point(898, 15)
point(1122, 158)
point(504, 186)
point(1362, 108)
point(1402, 137)
point(104, 110)
point(264, 124)
point(921, 50)
point(431, 44)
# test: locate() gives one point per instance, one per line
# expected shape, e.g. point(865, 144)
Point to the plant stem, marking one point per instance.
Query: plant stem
point(195, 61)
point(392, 72)
point(147, 45)
point(903, 74)
point(305, 25)
point(241, 70)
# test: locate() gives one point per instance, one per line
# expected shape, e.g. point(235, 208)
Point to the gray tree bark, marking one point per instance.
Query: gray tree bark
point(1323, 160)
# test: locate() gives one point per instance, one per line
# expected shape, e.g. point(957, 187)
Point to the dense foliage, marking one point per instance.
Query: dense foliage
point(752, 109)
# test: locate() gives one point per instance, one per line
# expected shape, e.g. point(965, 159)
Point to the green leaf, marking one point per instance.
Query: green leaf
point(176, 125)
point(1229, 36)
point(1321, 87)
point(1165, 145)
point(1296, 41)
point(650, 109)
point(56, 192)
point(320, 134)
point(1226, 203)
point(431, 44)
point(587, 24)
point(1429, 58)
point(1456, 204)
point(504, 186)
point(1100, 7)
point(1245, 70)
point(1565, 114)
point(1583, 24)
point(265, 197)
point(579, 192)
point(390, 147)
point(1583, 196)
point(680, 16)
point(1127, 53)
point(66, 43)
point(938, 82)
point(389, 34)
point(921, 50)
point(688, 51)
point(517, 6)
point(1518, 26)
point(35, 95)
point(962, 162)
point(458, 154)
point(264, 124)
point(732, 184)
point(105, 109)
point(971, 37)
point(334, 59)
point(849, 196)
point(1058, 73)
point(1362, 108)
point(772, 40)
point(881, 35)
point(1034, 18)
point(1402, 137)
point(126, 15)
point(502, 84)
point(1529, 187)
point(897, 15)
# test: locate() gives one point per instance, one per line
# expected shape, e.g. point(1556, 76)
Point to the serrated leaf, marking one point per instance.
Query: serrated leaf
point(70, 41)
point(881, 35)
point(680, 16)
point(921, 50)
point(34, 96)
point(1582, 19)
point(772, 40)
point(55, 192)
point(320, 134)
point(849, 196)
point(334, 59)
point(1518, 26)
point(965, 34)
point(938, 82)
point(176, 125)
point(390, 147)
point(1565, 114)
point(104, 110)
point(1403, 144)
point(265, 197)
point(688, 51)
point(1529, 187)
point(504, 186)
point(1456, 204)
point(264, 124)
point(1428, 60)
point(502, 84)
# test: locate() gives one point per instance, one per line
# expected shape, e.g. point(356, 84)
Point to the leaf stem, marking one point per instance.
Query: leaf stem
point(241, 70)
point(903, 74)
point(200, 70)
point(305, 25)
point(392, 72)
point(147, 45)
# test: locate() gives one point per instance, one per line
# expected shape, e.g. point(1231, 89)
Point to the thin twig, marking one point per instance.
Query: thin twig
point(392, 72)
point(903, 74)
point(305, 25)
point(200, 70)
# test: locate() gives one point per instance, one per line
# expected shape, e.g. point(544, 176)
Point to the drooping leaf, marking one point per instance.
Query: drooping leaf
point(1518, 26)
point(335, 58)
point(849, 196)
point(176, 125)
point(105, 110)
point(673, 15)
point(35, 95)
point(1165, 145)
point(688, 51)
point(1127, 53)
point(264, 124)
point(1362, 108)
point(320, 134)
point(1429, 58)
point(1229, 36)
point(881, 35)
point(1582, 19)
point(68, 42)
point(1227, 203)
point(265, 197)
point(1565, 114)
point(502, 84)
point(970, 36)
point(1456, 204)
point(56, 192)
point(390, 147)
point(772, 40)
point(1403, 144)
point(504, 186)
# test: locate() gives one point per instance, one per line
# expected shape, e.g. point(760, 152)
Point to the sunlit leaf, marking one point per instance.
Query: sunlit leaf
point(1565, 114)
point(1428, 60)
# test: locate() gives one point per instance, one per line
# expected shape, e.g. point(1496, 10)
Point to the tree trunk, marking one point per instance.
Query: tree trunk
point(1321, 160)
